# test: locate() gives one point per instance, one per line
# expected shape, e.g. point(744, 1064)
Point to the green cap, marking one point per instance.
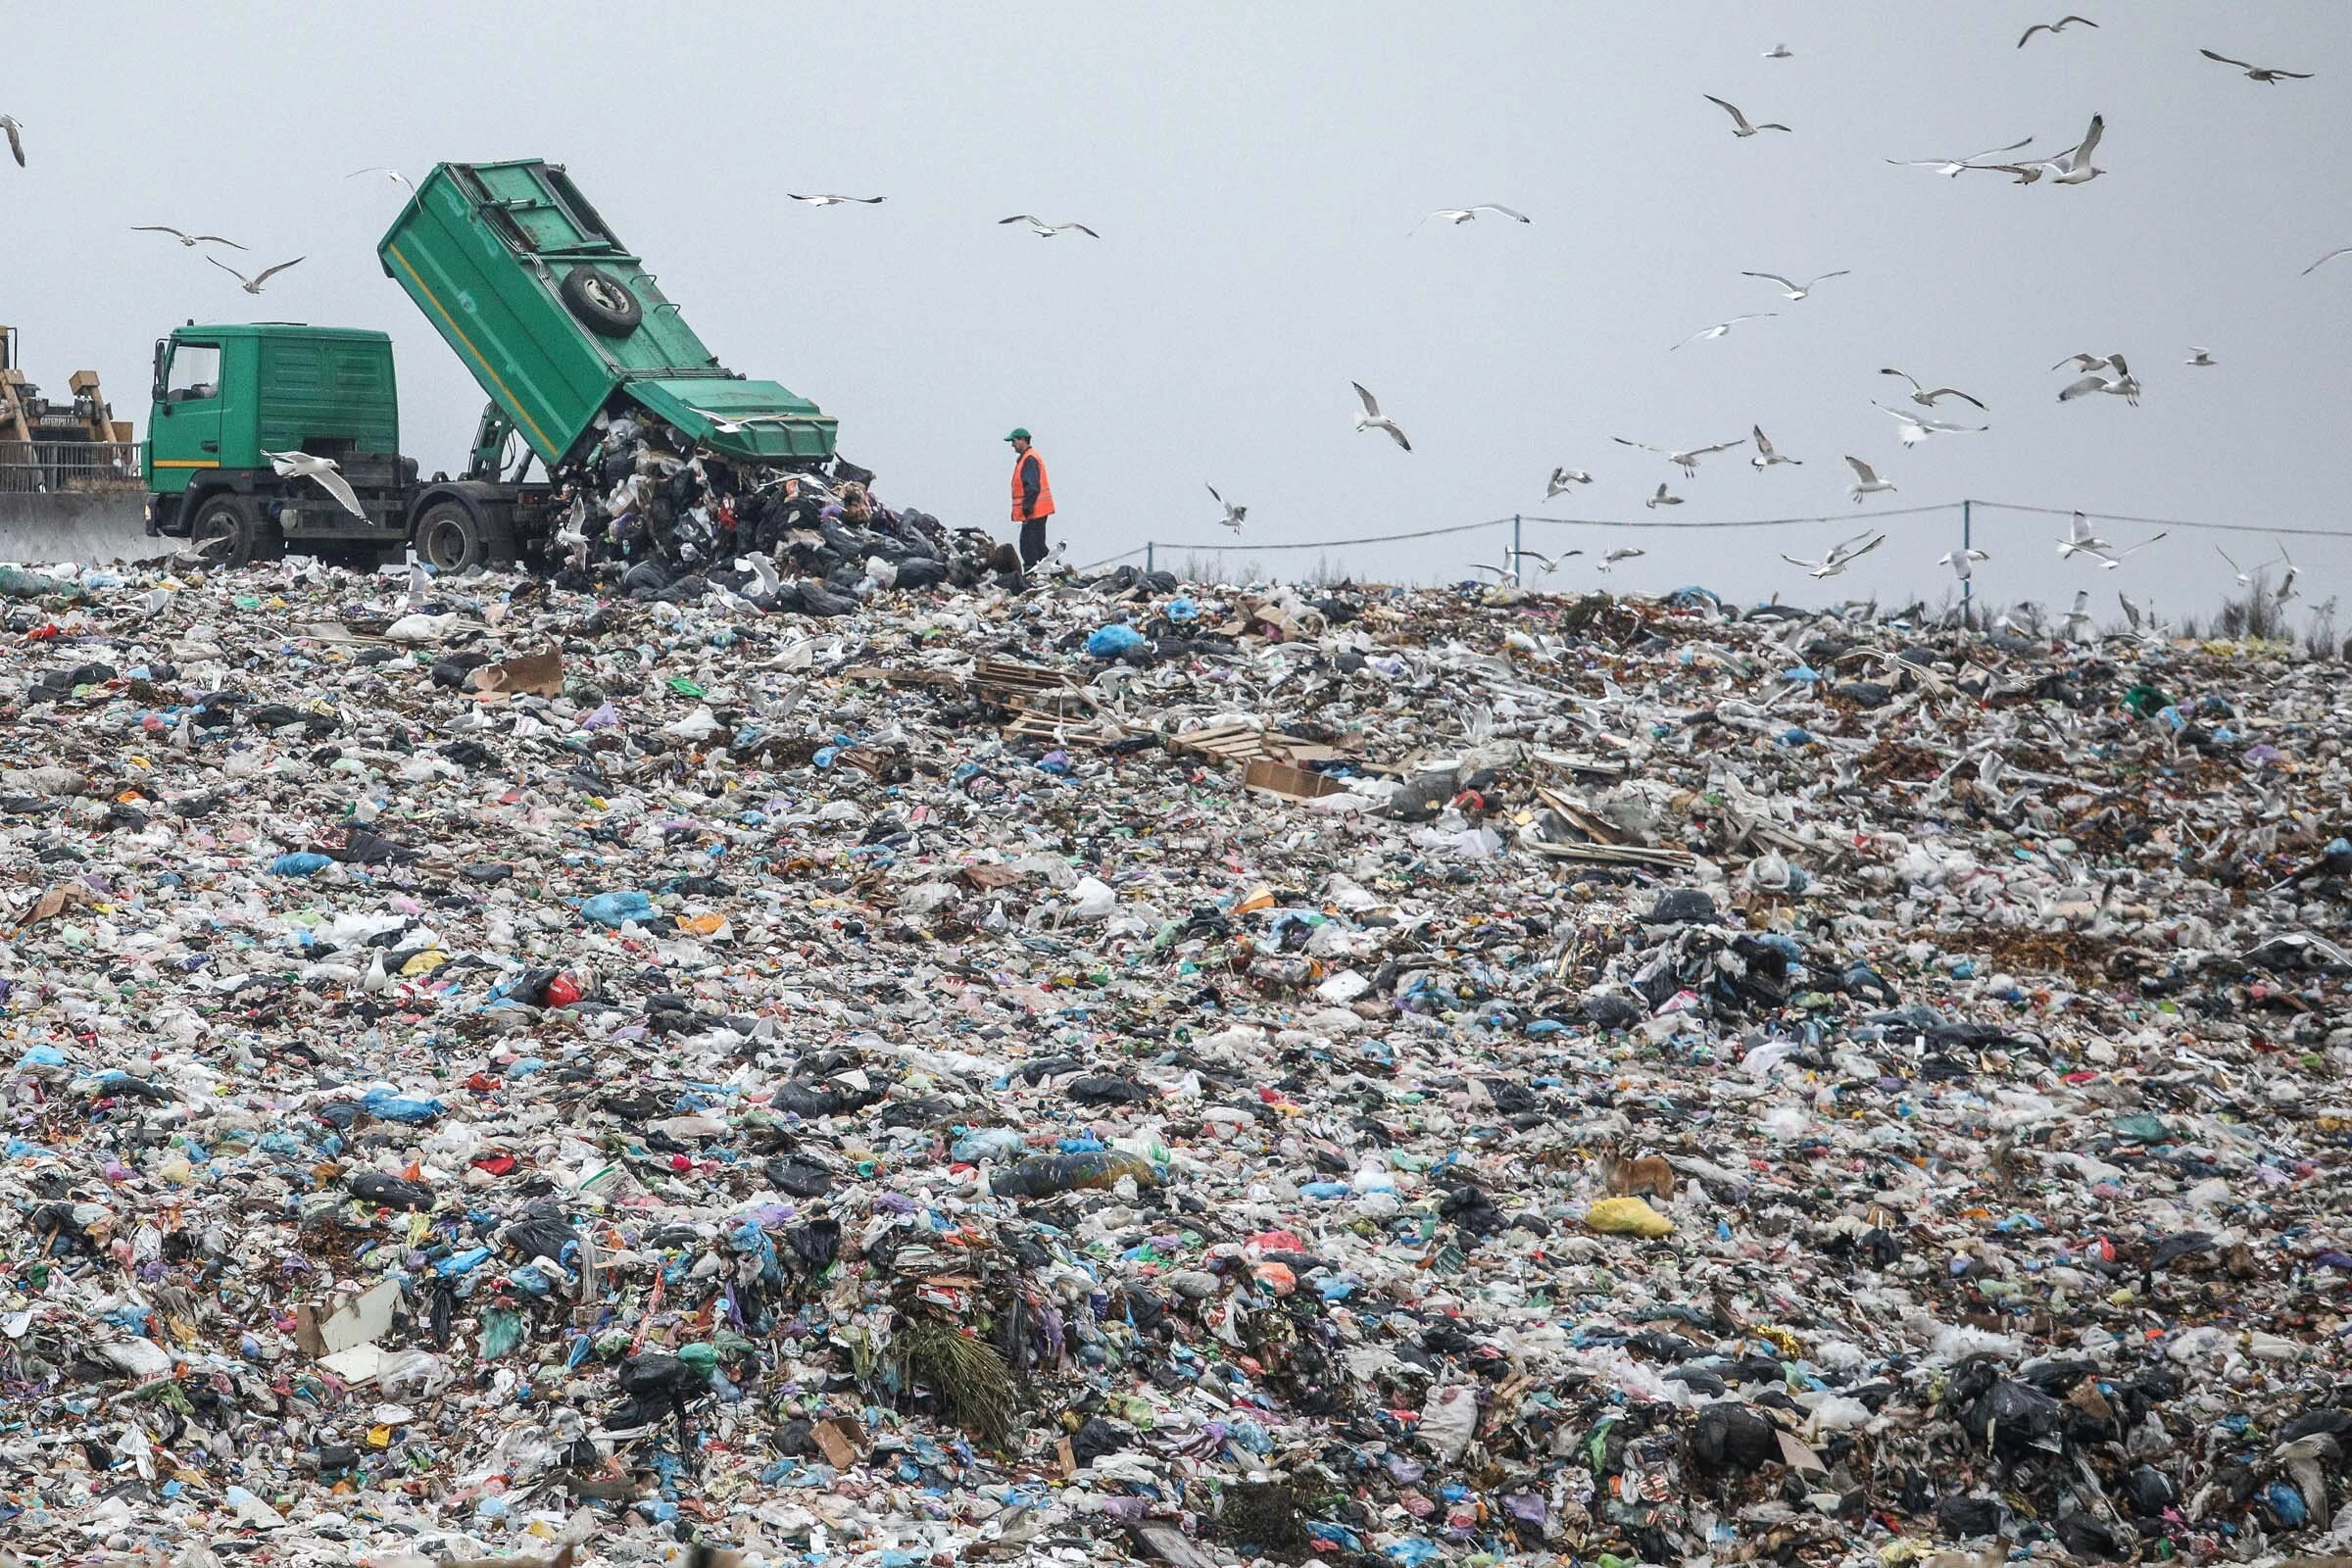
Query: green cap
point(1018, 435)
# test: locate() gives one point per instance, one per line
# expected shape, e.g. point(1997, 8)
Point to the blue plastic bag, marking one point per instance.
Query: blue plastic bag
point(616, 909)
point(303, 862)
point(1110, 642)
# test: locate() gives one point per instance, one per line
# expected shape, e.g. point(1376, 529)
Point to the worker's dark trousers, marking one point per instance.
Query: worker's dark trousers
point(1033, 542)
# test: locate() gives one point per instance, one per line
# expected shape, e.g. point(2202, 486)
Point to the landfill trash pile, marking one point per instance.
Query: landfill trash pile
point(1135, 1071)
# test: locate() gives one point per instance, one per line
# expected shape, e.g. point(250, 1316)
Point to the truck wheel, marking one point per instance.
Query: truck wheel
point(449, 538)
point(226, 533)
point(602, 300)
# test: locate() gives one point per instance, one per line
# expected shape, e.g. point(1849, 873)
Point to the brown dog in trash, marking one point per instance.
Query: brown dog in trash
point(1624, 1178)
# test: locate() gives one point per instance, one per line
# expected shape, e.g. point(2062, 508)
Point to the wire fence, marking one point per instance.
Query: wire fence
point(1518, 523)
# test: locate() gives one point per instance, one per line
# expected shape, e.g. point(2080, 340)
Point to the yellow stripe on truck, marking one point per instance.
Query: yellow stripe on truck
point(512, 400)
point(187, 462)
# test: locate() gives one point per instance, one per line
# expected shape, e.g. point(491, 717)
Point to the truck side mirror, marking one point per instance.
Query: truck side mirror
point(156, 392)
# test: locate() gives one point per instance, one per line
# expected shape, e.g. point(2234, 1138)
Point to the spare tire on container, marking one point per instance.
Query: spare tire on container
point(602, 300)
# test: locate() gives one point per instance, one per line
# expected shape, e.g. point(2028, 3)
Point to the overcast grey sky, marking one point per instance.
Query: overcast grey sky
point(1256, 172)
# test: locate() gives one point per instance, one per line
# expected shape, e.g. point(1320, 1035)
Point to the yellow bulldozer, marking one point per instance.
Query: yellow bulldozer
point(48, 445)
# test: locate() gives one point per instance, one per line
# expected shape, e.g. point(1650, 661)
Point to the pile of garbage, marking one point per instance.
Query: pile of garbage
point(648, 513)
point(1129, 1070)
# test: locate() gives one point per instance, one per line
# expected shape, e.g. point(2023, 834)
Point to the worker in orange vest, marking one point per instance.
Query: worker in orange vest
point(1032, 498)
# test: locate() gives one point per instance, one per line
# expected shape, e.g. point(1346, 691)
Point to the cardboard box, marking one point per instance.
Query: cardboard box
point(1294, 783)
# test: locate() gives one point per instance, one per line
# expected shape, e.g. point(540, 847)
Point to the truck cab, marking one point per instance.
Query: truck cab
point(227, 395)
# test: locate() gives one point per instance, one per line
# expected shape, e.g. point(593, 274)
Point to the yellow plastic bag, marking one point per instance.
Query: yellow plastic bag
point(1627, 1217)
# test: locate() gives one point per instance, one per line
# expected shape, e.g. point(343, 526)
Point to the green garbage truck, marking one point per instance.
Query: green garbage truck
point(557, 320)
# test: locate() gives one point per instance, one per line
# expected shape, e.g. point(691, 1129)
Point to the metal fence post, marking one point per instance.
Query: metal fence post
point(1968, 584)
point(1151, 560)
point(1515, 549)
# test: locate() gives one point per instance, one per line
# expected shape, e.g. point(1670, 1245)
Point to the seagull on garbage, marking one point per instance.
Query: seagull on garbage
point(1959, 561)
point(1720, 327)
point(1917, 428)
point(733, 424)
point(2340, 250)
point(1766, 456)
point(1866, 480)
point(1045, 231)
point(2244, 581)
point(1374, 419)
point(1740, 126)
point(2122, 384)
point(2270, 74)
point(16, 140)
point(1687, 461)
point(2055, 28)
point(2202, 357)
point(1233, 513)
point(1563, 478)
point(2133, 615)
point(1621, 552)
point(1951, 168)
point(252, 284)
point(392, 175)
point(1840, 556)
point(1780, 51)
point(191, 241)
point(1797, 291)
point(1459, 215)
point(2287, 584)
point(309, 465)
point(1661, 499)
point(823, 199)
point(2070, 167)
point(1926, 398)
point(2077, 620)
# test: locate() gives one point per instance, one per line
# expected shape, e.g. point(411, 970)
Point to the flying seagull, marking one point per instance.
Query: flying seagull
point(1233, 513)
point(2055, 28)
point(1661, 499)
point(2082, 540)
point(1840, 556)
point(1797, 291)
point(1780, 51)
point(2258, 73)
point(827, 200)
point(1917, 428)
point(1550, 563)
point(309, 465)
point(1740, 124)
point(1951, 168)
point(1621, 552)
point(1710, 333)
point(1374, 419)
point(1563, 478)
point(2199, 357)
point(191, 241)
point(1045, 231)
point(2122, 384)
point(1960, 561)
point(16, 141)
point(392, 175)
point(2109, 560)
point(1687, 461)
point(1866, 480)
point(1463, 214)
point(252, 284)
point(2287, 584)
point(2244, 581)
point(1926, 398)
point(2341, 250)
point(2070, 167)
point(1766, 456)
point(2085, 362)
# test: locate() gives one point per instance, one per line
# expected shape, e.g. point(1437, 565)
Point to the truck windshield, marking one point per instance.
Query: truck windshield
point(195, 373)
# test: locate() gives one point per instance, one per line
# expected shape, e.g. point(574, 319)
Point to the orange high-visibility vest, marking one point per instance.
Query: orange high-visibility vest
point(1045, 488)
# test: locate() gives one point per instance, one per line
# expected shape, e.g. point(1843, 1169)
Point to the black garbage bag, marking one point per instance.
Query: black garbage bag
point(2014, 1417)
point(539, 1235)
point(921, 571)
point(1964, 1517)
point(389, 1192)
point(814, 1245)
point(1470, 1209)
point(1731, 1438)
point(800, 1175)
point(1103, 1089)
point(1610, 1010)
point(2149, 1491)
point(1682, 906)
point(1096, 1438)
point(805, 1098)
